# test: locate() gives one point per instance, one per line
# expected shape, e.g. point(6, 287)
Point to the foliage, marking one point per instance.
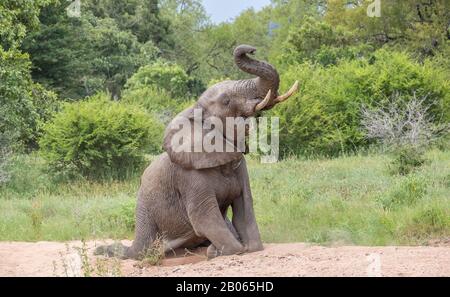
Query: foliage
point(407, 159)
point(408, 192)
point(116, 55)
point(24, 104)
point(318, 41)
point(4, 158)
point(99, 139)
point(140, 17)
point(162, 75)
point(338, 200)
point(325, 118)
point(124, 215)
point(401, 123)
point(406, 128)
point(155, 101)
point(249, 27)
point(204, 49)
point(188, 19)
point(421, 27)
point(172, 43)
point(85, 55)
point(18, 112)
point(16, 19)
point(431, 220)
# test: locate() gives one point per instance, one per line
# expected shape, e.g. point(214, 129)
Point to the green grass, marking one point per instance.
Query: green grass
point(350, 200)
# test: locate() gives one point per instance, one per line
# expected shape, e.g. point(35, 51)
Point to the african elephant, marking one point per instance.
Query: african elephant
point(184, 195)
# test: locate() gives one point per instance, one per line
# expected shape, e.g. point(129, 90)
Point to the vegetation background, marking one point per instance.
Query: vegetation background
point(84, 102)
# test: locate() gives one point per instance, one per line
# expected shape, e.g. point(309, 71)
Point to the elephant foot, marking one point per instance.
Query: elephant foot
point(254, 247)
point(212, 252)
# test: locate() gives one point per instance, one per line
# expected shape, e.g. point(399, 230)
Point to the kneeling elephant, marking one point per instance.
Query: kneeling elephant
point(185, 194)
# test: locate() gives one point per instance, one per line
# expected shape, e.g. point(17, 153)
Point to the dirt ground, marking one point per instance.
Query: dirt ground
point(296, 259)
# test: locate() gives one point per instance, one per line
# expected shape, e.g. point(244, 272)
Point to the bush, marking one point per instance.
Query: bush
point(156, 101)
point(124, 215)
point(407, 193)
point(98, 138)
point(325, 116)
point(430, 222)
point(162, 75)
point(406, 160)
point(319, 42)
point(406, 128)
point(4, 158)
point(24, 104)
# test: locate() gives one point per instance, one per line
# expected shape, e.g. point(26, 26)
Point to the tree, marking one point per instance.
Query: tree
point(204, 49)
point(317, 41)
point(115, 55)
point(141, 17)
point(249, 27)
point(420, 26)
point(24, 104)
point(97, 138)
point(58, 52)
point(325, 116)
point(162, 75)
point(16, 19)
point(188, 21)
point(79, 57)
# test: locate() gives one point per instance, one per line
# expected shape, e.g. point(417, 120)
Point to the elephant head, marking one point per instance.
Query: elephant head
point(229, 99)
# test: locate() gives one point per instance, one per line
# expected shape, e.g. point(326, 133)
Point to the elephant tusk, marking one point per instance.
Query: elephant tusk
point(291, 92)
point(264, 103)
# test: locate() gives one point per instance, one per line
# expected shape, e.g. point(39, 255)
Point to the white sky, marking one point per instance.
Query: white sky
point(224, 10)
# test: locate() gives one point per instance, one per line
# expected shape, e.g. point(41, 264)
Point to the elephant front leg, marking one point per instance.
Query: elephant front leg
point(207, 221)
point(244, 219)
point(245, 223)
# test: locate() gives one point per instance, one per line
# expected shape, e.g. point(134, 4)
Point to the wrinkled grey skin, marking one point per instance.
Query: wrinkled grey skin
point(185, 196)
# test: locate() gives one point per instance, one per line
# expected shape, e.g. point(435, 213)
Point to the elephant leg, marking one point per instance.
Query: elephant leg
point(244, 219)
point(232, 229)
point(207, 221)
point(145, 234)
point(230, 226)
point(212, 251)
point(245, 223)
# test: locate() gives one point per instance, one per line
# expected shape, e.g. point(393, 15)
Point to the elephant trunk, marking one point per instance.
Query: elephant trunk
point(268, 78)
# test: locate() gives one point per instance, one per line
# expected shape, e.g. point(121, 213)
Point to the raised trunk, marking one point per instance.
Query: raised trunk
point(268, 78)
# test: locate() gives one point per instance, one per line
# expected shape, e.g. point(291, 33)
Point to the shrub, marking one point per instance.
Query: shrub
point(408, 192)
point(406, 128)
point(319, 42)
point(4, 158)
point(403, 122)
point(24, 104)
point(429, 222)
point(434, 217)
point(162, 75)
point(157, 102)
point(324, 117)
point(98, 138)
point(27, 176)
point(406, 160)
point(124, 215)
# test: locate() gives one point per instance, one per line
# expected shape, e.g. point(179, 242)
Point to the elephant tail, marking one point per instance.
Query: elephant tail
point(116, 250)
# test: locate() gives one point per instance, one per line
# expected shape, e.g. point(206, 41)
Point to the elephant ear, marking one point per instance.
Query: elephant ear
point(184, 138)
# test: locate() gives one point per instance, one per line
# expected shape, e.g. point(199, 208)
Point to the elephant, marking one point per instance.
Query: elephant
point(184, 196)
